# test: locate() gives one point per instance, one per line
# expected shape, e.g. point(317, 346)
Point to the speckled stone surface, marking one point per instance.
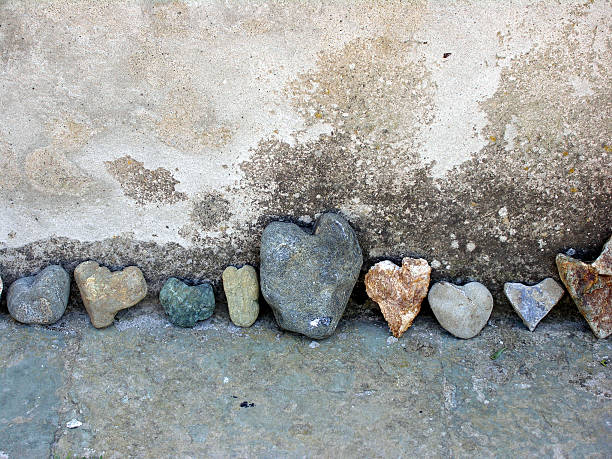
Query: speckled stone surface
point(533, 302)
point(39, 299)
point(461, 310)
point(186, 304)
point(399, 291)
point(603, 264)
point(242, 293)
point(590, 286)
point(307, 278)
point(104, 293)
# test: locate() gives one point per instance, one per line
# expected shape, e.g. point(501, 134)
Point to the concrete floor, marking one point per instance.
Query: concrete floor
point(144, 388)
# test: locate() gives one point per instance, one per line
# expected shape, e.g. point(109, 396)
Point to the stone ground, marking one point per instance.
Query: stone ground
point(145, 388)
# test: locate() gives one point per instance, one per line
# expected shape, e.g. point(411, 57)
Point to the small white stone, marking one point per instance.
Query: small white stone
point(470, 246)
point(313, 345)
point(435, 264)
point(503, 212)
point(305, 219)
point(225, 380)
point(503, 238)
point(73, 424)
point(387, 265)
point(391, 340)
point(455, 244)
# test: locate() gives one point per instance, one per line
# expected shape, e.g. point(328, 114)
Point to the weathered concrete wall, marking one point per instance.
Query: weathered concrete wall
point(476, 134)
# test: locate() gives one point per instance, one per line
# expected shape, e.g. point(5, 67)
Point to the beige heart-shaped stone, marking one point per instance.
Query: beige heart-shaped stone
point(399, 291)
point(104, 293)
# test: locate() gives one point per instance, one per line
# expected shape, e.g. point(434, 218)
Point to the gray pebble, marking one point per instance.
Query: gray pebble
point(532, 303)
point(40, 299)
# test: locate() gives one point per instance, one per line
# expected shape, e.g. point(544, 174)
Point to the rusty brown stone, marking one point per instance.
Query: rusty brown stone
point(591, 289)
point(399, 291)
point(603, 264)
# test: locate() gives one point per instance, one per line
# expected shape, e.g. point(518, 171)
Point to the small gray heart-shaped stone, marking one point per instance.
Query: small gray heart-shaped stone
point(532, 303)
point(461, 310)
point(40, 299)
point(307, 278)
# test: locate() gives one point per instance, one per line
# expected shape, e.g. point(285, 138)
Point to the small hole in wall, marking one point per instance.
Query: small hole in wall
point(445, 55)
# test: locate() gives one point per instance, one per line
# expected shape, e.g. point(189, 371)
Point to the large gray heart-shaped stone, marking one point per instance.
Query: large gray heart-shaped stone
point(307, 278)
point(40, 299)
point(461, 310)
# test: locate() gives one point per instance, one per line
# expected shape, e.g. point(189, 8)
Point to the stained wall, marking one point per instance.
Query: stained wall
point(476, 134)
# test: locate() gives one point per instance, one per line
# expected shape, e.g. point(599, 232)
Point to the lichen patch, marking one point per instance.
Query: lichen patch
point(144, 185)
point(371, 88)
point(188, 122)
point(48, 170)
point(210, 210)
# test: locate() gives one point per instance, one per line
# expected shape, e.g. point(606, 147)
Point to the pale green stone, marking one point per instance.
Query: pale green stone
point(242, 292)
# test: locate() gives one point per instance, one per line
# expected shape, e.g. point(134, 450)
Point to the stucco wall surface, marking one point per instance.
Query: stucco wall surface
point(476, 134)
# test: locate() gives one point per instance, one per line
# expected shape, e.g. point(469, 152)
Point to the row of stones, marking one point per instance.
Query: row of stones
point(307, 278)
point(43, 298)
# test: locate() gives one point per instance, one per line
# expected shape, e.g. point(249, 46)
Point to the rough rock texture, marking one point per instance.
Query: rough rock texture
point(590, 289)
point(461, 310)
point(532, 303)
point(399, 291)
point(105, 293)
point(1, 287)
point(185, 304)
point(603, 264)
point(307, 278)
point(39, 299)
point(242, 293)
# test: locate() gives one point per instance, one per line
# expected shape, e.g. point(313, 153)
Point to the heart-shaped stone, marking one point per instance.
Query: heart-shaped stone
point(187, 304)
point(242, 293)
point(105, 293)
point(461, 310)
point(399, 291)
point(590, 286)
point(307, 278)
point(40, 299)
point(532, 303)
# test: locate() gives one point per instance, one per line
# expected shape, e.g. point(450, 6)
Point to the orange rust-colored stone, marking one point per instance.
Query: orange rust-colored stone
point(603, 264)
point(590, 286)
point(399, 291)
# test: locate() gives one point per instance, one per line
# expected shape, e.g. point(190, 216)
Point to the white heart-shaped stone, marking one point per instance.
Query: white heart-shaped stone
point(461, 310)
